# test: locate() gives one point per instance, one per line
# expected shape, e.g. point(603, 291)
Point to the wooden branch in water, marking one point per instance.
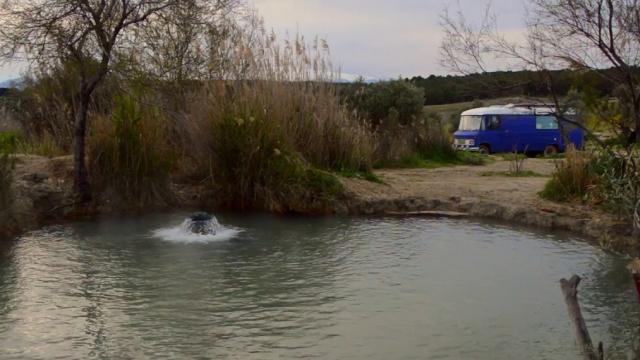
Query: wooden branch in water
point(570, 291)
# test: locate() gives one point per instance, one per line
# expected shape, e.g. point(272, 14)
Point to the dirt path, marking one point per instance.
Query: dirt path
point(468, 189)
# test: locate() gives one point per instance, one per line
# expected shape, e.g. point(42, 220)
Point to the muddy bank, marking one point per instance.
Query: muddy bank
point(483, 192)
point(43, 195)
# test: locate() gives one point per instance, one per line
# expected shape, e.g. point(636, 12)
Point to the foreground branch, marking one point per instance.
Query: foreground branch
point(570, 291)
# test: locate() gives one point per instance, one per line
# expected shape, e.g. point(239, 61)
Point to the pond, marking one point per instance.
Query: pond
point(329, 288)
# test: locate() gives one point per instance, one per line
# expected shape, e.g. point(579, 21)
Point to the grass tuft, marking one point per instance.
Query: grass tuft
point(362, 175)
point(573, 179)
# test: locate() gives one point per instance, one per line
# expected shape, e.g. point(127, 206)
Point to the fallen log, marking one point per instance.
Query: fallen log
point(570, 291)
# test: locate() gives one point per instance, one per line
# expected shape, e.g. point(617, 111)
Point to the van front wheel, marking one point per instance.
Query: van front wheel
point(484, 149)
point(550, 150)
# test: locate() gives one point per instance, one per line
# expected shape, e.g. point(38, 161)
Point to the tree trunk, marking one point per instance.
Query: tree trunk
point(81, 175)
point(636, 115)
point(570, 291)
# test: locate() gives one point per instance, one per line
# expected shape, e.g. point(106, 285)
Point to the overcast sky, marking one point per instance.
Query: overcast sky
point(382, 38)
point(373, 38)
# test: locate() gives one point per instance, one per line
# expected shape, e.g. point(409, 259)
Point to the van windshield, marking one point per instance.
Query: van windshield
point(470, 123)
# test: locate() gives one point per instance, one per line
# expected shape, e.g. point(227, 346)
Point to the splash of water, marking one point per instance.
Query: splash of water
point(183, 233)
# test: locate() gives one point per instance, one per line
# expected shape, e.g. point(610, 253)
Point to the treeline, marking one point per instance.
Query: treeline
point(453, 89)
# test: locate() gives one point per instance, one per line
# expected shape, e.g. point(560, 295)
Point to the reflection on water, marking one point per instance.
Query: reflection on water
point(329, 288)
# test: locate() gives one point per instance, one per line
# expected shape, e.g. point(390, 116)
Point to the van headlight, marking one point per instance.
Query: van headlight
point(471, 142)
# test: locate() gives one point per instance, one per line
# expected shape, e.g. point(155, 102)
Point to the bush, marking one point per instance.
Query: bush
point(574, 177)
point(396, 101)
point(8, 142)
point(619, 181)
point(131, 154)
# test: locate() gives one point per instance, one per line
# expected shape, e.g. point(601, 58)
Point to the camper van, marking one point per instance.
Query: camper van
point(521, 128)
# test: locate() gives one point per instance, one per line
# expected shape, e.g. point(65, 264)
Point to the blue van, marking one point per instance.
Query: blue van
point(530, 128)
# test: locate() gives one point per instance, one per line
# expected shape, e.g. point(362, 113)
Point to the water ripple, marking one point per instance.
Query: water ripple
point(369, 288)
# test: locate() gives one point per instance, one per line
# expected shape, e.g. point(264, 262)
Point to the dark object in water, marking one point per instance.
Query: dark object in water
point(201, 216)
point(202, 224)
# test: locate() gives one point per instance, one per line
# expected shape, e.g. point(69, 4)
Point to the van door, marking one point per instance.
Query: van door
point(492, 133)
point(516, 133)
point(547, 133)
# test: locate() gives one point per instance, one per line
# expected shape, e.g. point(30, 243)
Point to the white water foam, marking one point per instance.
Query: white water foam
point(183, 235)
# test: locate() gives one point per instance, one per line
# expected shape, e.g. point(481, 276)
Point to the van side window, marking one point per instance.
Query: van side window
point(493, 122)
point(546, 123)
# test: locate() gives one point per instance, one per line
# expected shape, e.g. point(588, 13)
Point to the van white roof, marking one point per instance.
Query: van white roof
point(511, 109)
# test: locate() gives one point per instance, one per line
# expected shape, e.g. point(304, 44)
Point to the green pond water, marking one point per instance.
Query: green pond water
point(283, 288)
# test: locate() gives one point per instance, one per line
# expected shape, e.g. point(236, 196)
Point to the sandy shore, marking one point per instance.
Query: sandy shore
point(468, 189)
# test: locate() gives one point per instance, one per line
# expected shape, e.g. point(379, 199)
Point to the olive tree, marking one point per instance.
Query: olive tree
point(86, 33)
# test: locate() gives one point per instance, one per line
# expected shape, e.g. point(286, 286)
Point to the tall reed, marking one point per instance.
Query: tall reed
point(270, 131)
point(130, 153)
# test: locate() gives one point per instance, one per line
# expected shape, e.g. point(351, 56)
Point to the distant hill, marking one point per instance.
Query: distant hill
point(11, 83)
point(346, 78)
point(456, 89)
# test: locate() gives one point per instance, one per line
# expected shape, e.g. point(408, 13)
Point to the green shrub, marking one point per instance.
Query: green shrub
point(130, 153)
point(619, 181)
point(377, 102)
point(574, 178)
point(8, 141)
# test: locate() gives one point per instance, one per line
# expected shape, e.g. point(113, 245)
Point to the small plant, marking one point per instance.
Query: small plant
point(516, 163)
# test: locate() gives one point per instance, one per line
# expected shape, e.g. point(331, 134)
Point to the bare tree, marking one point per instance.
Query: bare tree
point(178, 45)
point(86, 33)
point(581, 34)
